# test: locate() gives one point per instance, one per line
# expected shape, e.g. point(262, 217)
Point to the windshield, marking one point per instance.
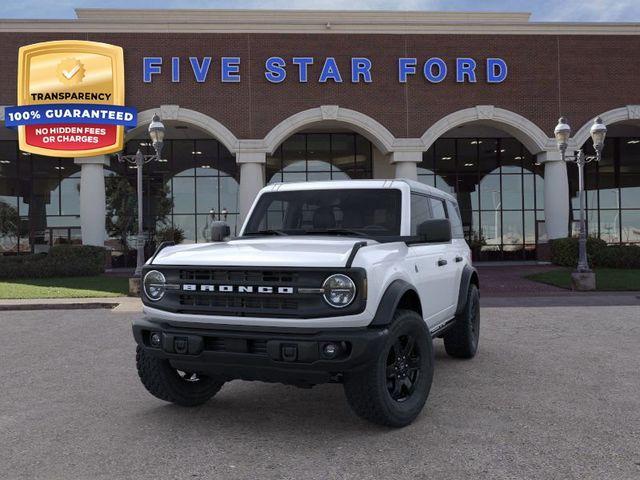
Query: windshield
point(357, 212)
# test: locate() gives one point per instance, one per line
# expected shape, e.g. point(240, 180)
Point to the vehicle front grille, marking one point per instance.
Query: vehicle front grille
point(274, 292)
point(241, 276)
point(239, 305)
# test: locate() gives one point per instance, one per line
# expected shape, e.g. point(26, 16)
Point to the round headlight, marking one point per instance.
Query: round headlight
point(339, 290)
point(153, 285)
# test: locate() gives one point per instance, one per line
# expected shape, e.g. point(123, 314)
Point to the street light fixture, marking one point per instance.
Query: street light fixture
point(156, 133)
point(562, 133)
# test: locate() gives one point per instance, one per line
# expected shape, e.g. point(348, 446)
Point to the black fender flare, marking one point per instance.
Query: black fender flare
point(389, 302)
point(468, 274)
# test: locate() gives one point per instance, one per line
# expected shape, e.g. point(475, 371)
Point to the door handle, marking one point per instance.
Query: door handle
point(458, 259)
point(442, 262)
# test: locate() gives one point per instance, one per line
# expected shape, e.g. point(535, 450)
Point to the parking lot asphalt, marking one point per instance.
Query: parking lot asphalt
point(554, 393)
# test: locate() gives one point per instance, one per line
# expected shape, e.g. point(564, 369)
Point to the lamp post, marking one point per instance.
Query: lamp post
point(562, 133)
point(156, 133)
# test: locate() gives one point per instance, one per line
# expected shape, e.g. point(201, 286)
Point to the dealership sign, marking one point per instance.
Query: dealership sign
point(70, 99)
point(323, 70)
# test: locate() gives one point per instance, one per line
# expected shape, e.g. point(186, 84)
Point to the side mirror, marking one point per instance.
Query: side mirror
point(437, 230)
point(219, 231)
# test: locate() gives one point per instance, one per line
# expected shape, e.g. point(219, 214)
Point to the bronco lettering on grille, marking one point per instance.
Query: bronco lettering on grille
point(192, 287)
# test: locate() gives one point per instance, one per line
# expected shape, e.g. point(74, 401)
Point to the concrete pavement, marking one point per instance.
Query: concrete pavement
point(553, 393)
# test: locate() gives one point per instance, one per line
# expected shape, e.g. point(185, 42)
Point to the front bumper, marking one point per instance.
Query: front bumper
point(292, 356)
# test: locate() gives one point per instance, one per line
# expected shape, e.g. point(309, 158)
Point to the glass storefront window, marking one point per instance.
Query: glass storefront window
point(610, 226)
point(511, 155)
point(8, 159)
point(187, 223)
point(318, 152)
point(70, 196)
point(490, 193)
point(530, 228)
point(293, 152)
point(612, 191)
point(512, 192)
point(228, 194)
point(320, 156)
point(445, 155)
point(184, 200)
point(529, 191)
point(512, 230)
point(499, 189)
point(630, 190)
point(539, 179)
point(488, 154)
point(194, 177)
point(468, 192)
point(182, 158)
point(630, 225)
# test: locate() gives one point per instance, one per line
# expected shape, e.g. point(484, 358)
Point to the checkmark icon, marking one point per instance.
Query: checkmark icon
point(71, 73)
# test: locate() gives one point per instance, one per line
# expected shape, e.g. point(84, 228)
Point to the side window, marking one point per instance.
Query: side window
point(456, 221)
point(437, 206)
point(419, 211)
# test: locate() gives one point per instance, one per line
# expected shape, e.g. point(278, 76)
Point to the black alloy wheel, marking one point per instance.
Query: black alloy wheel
point(403, 367)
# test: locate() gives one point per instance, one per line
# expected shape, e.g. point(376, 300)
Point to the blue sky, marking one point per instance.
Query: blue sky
point(542, 10)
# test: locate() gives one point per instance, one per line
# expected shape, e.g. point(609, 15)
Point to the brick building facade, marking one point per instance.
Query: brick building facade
point(479, 139)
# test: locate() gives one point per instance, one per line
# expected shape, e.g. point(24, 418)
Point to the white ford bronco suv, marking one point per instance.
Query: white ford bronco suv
point(341, 281)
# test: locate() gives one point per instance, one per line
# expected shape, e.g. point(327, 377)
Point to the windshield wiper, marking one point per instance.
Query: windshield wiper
point(337, 231)
point(266, 232)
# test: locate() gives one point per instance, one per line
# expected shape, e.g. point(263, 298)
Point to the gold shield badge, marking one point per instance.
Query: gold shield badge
point(72, 89)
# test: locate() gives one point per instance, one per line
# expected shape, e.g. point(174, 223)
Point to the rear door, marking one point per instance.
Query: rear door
point(461, 250)
point(448, 267)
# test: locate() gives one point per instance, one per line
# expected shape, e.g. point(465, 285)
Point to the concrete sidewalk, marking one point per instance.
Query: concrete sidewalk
point(119, 304)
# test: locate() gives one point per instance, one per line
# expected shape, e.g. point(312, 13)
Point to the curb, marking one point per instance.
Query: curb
point(56, 306)
point(612, 299)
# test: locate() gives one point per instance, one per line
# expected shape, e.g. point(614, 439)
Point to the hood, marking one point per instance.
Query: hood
point(290, 251)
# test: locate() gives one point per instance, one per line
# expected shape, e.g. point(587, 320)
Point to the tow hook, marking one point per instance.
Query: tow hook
point(289, 353)
point(181, 345)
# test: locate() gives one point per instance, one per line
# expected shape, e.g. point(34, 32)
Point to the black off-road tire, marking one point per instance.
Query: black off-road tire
point(462, 340)
point(166, 383)
point(373, 391)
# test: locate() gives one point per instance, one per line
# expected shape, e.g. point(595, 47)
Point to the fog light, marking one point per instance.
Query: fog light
point(155, 339)
point(330, 350)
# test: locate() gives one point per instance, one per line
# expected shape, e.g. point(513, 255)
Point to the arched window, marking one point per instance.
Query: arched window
point(499, 190)
point(320, 156)
point(194, 178)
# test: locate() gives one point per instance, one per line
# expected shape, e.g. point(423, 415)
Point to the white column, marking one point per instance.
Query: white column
point(406, 164)
point(556, 194)
point(93, 208)
point(251, 179)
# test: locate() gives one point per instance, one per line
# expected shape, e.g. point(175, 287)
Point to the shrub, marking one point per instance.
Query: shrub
point(169, 234)
point(564, 252)
point(61, 261)
point(618, 256)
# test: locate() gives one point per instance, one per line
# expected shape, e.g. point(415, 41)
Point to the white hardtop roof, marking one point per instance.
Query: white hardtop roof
point(346, 184)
